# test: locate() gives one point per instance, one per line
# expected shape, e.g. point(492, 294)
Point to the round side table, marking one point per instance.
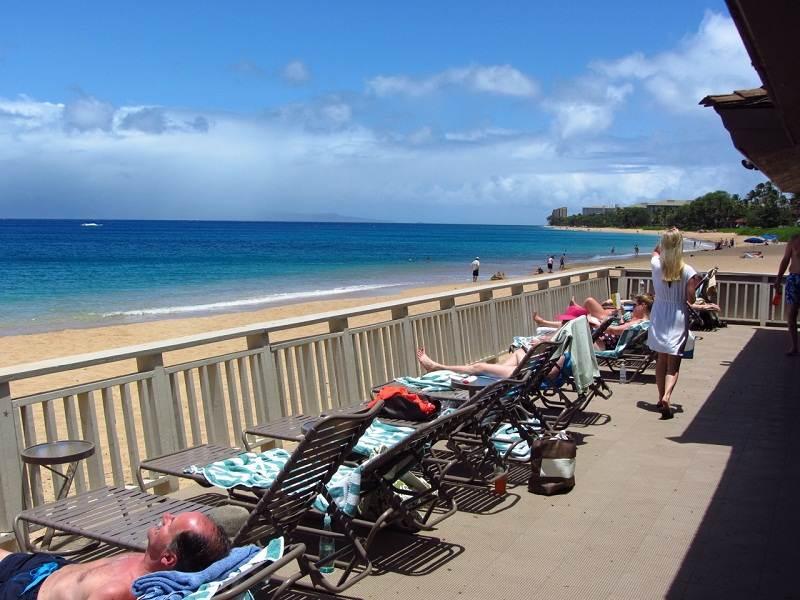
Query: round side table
point(50, 454)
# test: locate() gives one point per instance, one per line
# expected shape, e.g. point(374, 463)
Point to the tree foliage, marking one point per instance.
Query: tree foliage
point(763, 206)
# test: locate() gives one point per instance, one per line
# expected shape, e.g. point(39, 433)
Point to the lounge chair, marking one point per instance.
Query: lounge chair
point(121, 517)
point(420, 508)
point(477, 459)
point(631, 348)
point(577, 380)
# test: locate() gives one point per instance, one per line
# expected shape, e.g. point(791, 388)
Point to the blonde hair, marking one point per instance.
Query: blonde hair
point(671, 255)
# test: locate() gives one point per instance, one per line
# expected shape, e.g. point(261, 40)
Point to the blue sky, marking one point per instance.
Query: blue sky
point(446, 112)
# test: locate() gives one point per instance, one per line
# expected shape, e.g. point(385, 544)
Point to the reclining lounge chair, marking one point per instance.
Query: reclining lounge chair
point(120, 517)
point(631, 348)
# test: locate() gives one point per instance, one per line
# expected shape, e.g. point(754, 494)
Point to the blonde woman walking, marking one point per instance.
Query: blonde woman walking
point(674, 283)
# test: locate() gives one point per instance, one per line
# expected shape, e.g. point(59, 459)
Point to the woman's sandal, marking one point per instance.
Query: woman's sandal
point(666, 413)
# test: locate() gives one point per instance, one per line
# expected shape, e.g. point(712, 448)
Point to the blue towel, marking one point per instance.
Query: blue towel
point(176, 585)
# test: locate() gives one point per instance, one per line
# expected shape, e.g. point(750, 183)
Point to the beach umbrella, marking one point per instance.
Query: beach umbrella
point(770, 236)
point(754, 240)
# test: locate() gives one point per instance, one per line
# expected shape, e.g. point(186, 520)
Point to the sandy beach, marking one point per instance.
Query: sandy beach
point(34, 347)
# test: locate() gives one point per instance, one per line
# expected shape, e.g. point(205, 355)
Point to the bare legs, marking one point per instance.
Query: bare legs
point(542, 322)
point(791, 323)
point(503, 369)
point(667, 371)
point(595, 308)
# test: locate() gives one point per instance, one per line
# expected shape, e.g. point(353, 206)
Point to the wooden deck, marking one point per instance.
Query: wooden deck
point(702, 506)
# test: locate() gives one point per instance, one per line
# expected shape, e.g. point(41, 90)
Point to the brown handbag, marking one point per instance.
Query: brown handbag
point(552, 466)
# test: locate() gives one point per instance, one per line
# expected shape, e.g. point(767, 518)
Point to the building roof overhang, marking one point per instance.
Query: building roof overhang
point(764, 123)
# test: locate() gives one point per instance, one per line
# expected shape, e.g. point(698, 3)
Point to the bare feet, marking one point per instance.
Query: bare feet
point(572, 301)
point(538, 319)
point(426, 362)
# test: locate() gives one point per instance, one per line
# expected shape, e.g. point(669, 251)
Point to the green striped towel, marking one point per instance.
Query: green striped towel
point(248, 469)
point(260, 470)
point(380, 434)
point(435, 381)
point(506, 435)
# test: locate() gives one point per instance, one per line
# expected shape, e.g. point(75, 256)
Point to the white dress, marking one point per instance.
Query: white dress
point(669, 326)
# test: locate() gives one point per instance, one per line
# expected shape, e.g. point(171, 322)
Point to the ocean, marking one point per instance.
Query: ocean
point(59, 274)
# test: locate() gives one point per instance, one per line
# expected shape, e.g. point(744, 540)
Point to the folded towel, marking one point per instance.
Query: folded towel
point(176, 585)
point(345, 489)
point(248, 469)
point(380, 434)
point(507, 435)
point(435, 381)
point(260, 470)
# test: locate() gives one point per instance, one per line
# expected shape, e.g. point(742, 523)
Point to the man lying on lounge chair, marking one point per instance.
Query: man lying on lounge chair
point(188, 541)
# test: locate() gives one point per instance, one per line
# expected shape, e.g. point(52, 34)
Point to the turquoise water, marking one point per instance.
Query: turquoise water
point(66, 273)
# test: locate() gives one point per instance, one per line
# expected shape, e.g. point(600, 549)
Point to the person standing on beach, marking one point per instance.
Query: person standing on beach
point(562, 262)
point(612, 249)
point(636, 249)
point(476, 267)
point(791, 260)
point(550, 262)
point(674, 283)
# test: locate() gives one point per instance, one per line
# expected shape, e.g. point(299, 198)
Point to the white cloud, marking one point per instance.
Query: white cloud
point(587, 106)
point(87, 113)
point(501, 80)
point(25, 113)
point(478, 135)
point(253, 167)
point(360, 155)
point(296, 72)
point(712, 60)
point(329, 112)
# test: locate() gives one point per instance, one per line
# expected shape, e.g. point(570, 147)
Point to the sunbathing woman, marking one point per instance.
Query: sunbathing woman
point(502, 369)
point(601, 312)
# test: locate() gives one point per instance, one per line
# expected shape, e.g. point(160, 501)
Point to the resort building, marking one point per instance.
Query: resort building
point(597, 210)
point(559, 213)
point(659, 206)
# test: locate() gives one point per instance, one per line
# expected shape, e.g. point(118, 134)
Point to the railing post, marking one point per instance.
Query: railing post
point(488, 296)
point(524, 318)
point(622, 284)
point(342, 325)
point(400, 313)
point(268, 406)
point(11, 499)
point(456, 346)
point(763, 300)
point(163, 412)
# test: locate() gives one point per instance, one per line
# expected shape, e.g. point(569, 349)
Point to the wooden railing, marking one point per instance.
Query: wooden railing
point(158, 404)
point(743, 297)
point(158, 407)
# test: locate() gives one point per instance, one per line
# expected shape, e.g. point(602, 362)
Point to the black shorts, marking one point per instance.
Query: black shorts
point(18, 570)
point(475, 273)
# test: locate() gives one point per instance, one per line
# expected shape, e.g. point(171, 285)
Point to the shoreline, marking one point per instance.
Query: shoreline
point(706, 236)
point(26, 347)
point(32, 347)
